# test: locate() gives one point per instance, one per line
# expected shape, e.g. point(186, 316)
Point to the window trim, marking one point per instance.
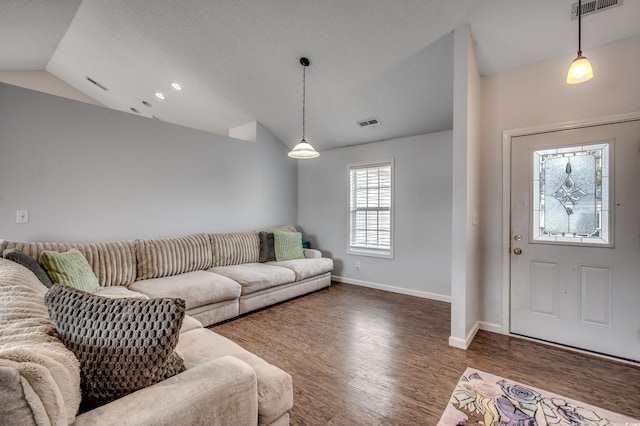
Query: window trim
point(367, 251)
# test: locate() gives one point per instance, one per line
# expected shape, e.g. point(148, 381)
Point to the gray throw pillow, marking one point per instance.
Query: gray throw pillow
point(122, 344)
point(267, 247)
point(28, 262)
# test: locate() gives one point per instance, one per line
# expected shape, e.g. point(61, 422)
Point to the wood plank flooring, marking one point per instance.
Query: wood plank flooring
point(360, 356)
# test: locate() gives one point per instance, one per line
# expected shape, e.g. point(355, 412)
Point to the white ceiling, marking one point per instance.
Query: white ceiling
point(238, 60)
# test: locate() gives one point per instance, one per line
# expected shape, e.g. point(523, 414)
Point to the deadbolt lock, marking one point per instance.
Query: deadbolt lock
point(517, 237)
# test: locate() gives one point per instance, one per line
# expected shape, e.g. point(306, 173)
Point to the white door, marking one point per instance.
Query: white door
point(575, 238)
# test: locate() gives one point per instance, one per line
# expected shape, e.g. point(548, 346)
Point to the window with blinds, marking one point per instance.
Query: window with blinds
point(371, 201)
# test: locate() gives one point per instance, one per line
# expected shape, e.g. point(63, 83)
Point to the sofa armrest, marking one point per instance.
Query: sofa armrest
point(312, 253)
point(223, 391)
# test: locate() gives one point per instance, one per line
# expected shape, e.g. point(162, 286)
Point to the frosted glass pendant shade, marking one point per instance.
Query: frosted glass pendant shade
point(579, 71)
point(303, 151)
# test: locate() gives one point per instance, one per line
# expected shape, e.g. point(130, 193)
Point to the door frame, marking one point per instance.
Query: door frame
point(507, 137)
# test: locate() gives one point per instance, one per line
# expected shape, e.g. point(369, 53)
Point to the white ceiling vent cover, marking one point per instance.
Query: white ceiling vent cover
point(593, 6)
point(369, 122)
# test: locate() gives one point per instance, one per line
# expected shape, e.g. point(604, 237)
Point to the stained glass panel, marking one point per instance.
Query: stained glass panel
point(571, 194)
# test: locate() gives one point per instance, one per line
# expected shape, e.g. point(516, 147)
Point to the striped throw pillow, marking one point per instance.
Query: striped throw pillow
point(173, 256)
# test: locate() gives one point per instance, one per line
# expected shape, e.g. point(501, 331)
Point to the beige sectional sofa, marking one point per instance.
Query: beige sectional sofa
point(219, 277)
point(40, 378)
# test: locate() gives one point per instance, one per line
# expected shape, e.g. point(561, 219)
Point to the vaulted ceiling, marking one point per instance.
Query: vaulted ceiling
point(238, 60)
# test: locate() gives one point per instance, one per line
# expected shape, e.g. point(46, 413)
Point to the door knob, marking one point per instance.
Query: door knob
point(517, 251)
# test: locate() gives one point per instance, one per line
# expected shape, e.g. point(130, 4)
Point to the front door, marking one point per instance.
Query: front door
point(575, 238)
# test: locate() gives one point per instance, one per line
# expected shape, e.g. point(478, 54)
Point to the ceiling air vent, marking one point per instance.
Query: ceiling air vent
point(369, 122)
point(97, 84)
point(590, 7)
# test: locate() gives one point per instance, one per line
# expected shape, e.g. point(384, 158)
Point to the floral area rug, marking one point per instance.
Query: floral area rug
point(484, 399)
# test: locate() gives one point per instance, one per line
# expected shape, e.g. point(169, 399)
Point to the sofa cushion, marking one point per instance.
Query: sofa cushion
point(222, 392)
point(70, 268)
point(267, 247)
point(49, 373)
point(172, 256)
point(120, 292)
point(114, 263)
point(28, 262)
point(197, 288)
point(288, 245)
point(189, 323)
point(256, 276)
point(312, 253)
point(306, 268)
point(235, 248)
point(275, 387)
point(122, 344)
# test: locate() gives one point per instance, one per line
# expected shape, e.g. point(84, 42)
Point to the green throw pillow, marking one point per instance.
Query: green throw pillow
point(70, 268)
point(288, 245)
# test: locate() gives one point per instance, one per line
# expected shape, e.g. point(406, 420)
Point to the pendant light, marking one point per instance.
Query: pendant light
point(580, 69)
point(303, 150)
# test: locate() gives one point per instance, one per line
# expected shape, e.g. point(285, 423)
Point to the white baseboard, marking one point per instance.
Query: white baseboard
point(400, 290)
point(456, 342)
point(471, 334)
point(480, 325)
point(493, 328)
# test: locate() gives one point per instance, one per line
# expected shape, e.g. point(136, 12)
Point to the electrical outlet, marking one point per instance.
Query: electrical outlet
point(22, 216)
point(358, 266)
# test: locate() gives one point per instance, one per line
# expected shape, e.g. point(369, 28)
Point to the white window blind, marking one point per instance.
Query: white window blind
point(371, 212)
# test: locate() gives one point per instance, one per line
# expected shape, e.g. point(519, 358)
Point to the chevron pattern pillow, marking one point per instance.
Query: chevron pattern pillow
point(122, 344)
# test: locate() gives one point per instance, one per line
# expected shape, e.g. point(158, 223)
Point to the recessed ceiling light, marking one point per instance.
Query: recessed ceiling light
point(160, 95)
point(176, 86)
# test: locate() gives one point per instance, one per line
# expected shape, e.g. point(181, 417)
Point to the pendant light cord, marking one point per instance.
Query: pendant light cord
point(304, 85)
point(579, 27)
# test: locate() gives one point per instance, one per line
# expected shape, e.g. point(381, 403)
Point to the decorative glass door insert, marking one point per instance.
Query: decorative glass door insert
point(571, 200)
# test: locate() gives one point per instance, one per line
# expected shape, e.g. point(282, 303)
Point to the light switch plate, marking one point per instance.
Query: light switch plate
point(22, 216)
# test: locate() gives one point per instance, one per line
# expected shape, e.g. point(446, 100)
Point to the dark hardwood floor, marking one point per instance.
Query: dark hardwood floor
point(360, 356)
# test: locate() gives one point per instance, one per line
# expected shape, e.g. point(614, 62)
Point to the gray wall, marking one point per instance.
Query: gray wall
point(87, 173)
point(422, 254)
